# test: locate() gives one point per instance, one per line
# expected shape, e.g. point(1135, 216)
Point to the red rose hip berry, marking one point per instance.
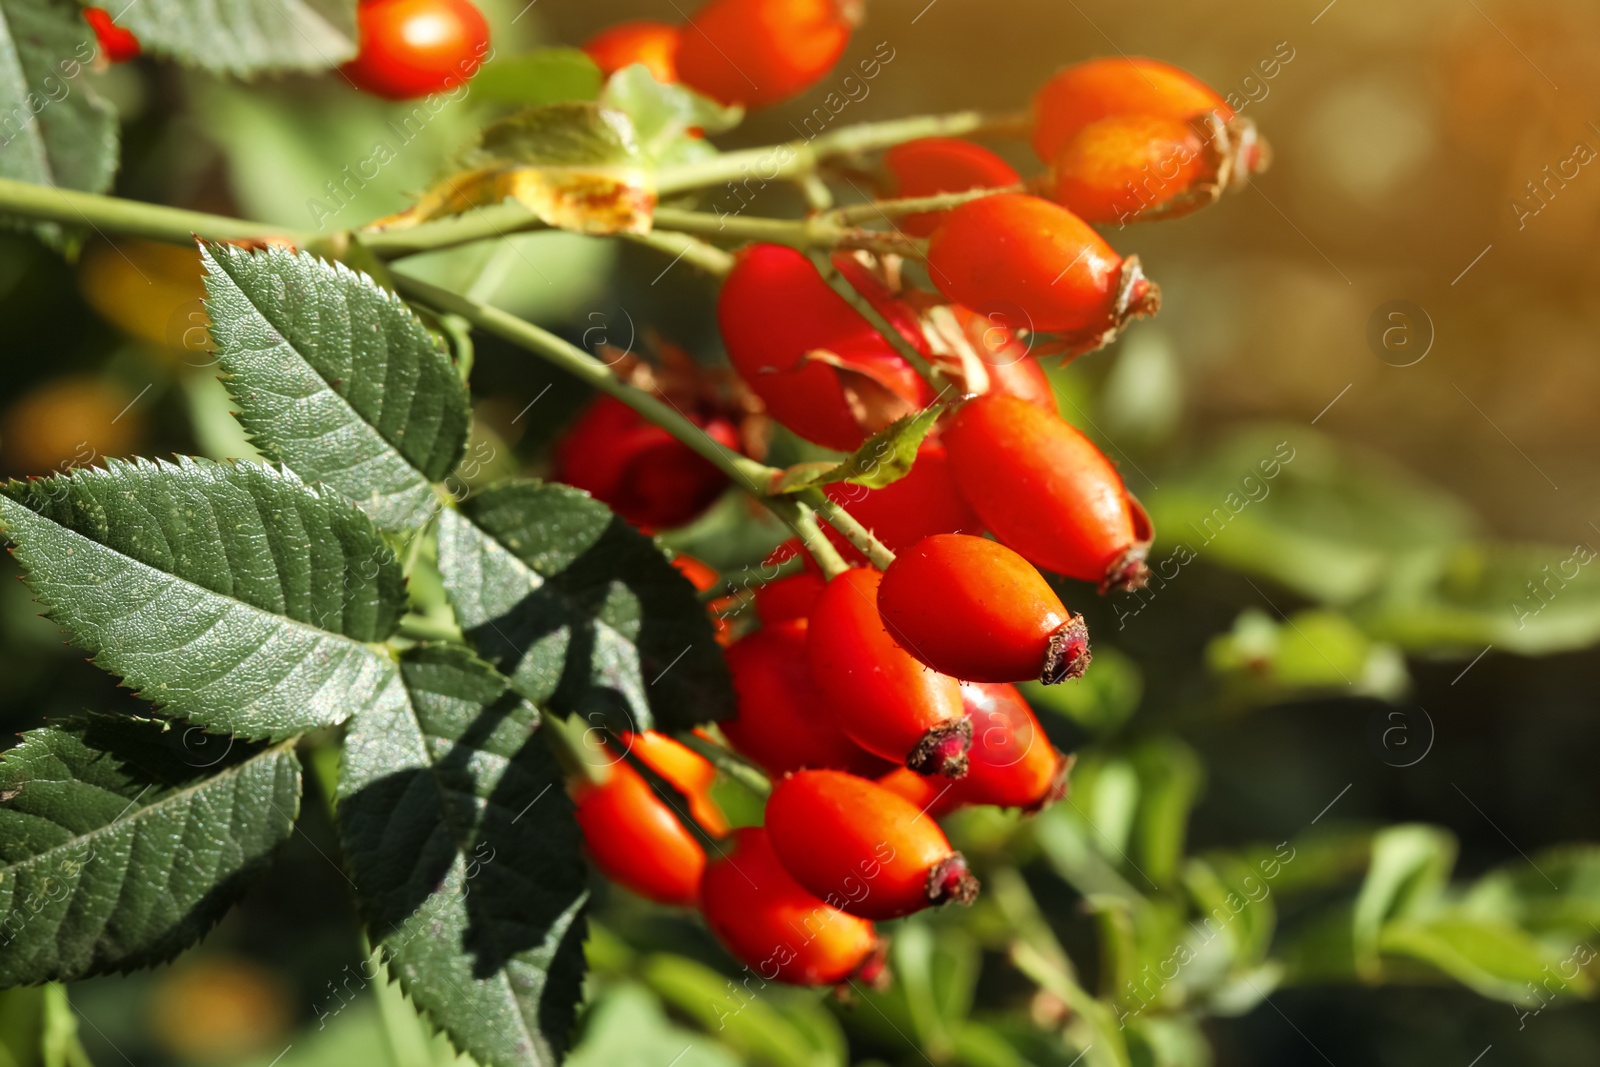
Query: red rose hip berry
point(936, 165)
point(975, 610)
point(1090, 91)
point(654, 44)
point(1046, 492)
point(117, 42)
point(821, 368)
point(1128, 167)
point(1013, 763)
point(1011, 249)
point(880, 695)
point(760, 52)
point(782, 721)
point(863, 848)
point(411, 48)
point(639, 470)
point(771, 924)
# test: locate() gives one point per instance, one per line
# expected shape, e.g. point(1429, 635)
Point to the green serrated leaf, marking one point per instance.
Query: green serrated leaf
point(539, 78)
point(232, 595)
point(123, 841)
point(883, 459)
point(336, 378)
point(581, 610)
point(245, 37)
point(1493, 958)
point(465, 853)
point(1409, 871)
point(54, 130)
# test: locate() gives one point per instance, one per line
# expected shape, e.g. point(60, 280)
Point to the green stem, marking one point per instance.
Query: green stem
point(691, 250)
point(129, 218)
point(877, 553)
point(909, 205)
point(804, 522)
point(897, 340)
point(422, 628)
point(552, 349)
point(813, 233)
point(796, 159)
point(730, 763)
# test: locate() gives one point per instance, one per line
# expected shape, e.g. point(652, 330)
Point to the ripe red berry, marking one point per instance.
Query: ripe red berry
point(975, 610)
point(1016, 250)
point(690, 773)
point(1047, 492)
point(782, 721)
point(654, 44)
point(1014, 765)
point(882, 697)
point(639, 470)
point(117, 44)
point(1127, 167)
point(772, 925)
point(411, 48)
point(820, 367)
point(1089, 91)
point(936, 165)
point(759, 52)
point(903, 512)
point(863, 848)
point(935, 797)
point(788, 599)
point(636, 841)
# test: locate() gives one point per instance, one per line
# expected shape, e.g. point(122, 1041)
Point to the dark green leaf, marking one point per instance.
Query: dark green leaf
point(884, 458)
point(581, 610)
point(465, 854)
point(53, 129)
point(122, 842)
point(538, 78)
point(337, 378)
point(230, 594)
point(245, 36)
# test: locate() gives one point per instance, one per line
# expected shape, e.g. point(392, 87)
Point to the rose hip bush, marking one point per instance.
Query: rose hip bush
point(840, 761)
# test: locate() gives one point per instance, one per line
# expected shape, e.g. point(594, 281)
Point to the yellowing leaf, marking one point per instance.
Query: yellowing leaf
point(577, 166)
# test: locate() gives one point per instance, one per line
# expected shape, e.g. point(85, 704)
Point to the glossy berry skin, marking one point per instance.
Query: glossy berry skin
point(782, 721)
point(1127, 166)
point(117, 44)
point(789, 599)
point(759, 52)
point(1089, 91)
point(636, 841)
point(863, 848)
point(410, 48)
point(1014, 765)
point(881, 696)
point(936, 165)
point(770, 923)
point(903, 512)
point(1011, 249)
point(935, 797)
point(681, 767)
point(654, 44)
point(975, 610)
point(641, 471)
point(1046, 492)
point(820, 367)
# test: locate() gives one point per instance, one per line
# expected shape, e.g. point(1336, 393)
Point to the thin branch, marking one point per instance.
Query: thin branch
point(877, 553)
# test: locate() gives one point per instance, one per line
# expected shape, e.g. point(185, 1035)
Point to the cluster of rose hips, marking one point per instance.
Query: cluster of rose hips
point(880, 700)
